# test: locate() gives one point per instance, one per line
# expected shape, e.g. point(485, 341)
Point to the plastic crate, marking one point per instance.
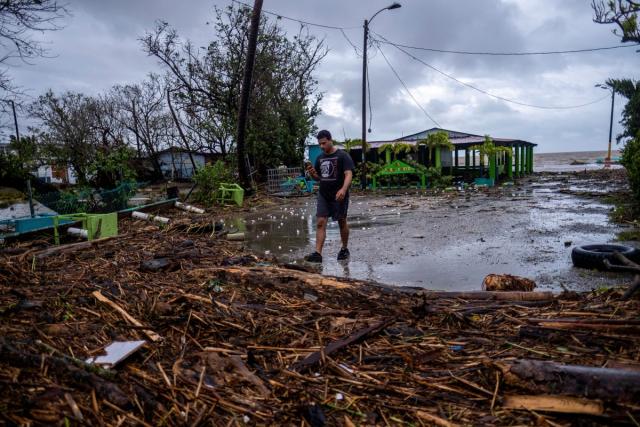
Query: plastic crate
point(230, 193)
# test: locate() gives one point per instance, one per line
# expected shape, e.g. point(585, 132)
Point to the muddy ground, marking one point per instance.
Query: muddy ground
point(451, 240)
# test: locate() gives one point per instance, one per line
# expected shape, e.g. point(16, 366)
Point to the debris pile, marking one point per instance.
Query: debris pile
point(240, 340)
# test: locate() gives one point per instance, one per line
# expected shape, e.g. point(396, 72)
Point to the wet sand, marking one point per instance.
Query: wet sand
point(450, 241)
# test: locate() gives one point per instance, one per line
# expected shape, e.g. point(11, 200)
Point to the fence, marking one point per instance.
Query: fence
point(89, 200)
point(287, 182)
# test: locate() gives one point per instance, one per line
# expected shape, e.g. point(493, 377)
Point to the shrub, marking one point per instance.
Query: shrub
point(209, 179)
point(631, 161)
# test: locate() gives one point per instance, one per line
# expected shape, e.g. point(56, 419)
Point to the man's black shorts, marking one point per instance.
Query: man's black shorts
point(332, 208)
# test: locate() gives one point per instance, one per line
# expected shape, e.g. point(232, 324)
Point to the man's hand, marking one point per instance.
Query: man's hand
point(312, 172)
point(341, 194)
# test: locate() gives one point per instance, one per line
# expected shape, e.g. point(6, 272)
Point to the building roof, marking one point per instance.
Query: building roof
point(457, 138)
point(175, 149)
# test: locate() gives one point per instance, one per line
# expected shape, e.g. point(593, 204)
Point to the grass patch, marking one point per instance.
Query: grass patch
point(629, 235)
point(624, 211)
point(9, 196)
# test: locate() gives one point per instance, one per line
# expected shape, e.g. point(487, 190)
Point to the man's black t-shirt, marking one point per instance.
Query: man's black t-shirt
point(331, 169)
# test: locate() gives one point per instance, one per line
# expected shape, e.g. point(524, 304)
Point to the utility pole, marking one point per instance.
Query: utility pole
point(246, 91)
point(607, 161)
point(363, 177)
point(15, 119)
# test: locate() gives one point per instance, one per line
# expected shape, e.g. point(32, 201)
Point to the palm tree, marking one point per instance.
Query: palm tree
point(489, 149)
point(436, 141)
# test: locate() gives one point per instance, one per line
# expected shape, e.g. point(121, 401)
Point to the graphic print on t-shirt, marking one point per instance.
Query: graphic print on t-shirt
point(329, 169)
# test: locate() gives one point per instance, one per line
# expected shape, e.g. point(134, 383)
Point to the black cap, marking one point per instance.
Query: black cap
point(324, 134)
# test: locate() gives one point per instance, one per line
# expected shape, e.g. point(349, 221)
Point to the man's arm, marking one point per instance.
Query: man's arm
point(341, 194)
point(348, 176)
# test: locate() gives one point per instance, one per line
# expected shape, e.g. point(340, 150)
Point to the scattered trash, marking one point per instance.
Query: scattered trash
point(188, 208)
point(80, 232)
point(116, 352)
point(149, 217)
point(235, 237)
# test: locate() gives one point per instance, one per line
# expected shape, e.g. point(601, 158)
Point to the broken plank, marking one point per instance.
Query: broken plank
point(550, 403)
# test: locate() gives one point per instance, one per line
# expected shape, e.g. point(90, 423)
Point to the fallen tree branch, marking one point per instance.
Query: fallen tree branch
point(69, 248)
point(355, 337)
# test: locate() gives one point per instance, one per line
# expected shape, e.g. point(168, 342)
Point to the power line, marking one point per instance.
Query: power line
point(407, 89)
point(279, 15)
point(463, 52)
point(502, 98)
point(355, 48)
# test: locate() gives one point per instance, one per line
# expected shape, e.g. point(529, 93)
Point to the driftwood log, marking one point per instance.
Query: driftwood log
point(619, 385)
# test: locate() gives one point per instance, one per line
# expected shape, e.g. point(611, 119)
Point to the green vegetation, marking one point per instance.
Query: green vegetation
point(437, 139)
point(624, 14)
point(629, 235)
point(209, 179)
point(631, 161)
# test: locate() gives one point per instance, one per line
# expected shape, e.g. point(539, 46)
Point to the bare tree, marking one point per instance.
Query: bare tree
point(142, 110)
point(67, 129)
point(19, 19)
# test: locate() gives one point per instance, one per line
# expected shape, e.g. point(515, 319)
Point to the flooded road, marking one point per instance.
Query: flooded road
point(452, 240)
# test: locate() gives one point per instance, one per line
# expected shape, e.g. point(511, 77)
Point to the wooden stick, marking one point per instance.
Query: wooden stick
point(149, 333)
point(563, 404)
point(71, 247)
point(355, 337)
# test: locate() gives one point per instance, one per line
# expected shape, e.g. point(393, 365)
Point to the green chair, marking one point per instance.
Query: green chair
point(97, 225)
point(230, 193)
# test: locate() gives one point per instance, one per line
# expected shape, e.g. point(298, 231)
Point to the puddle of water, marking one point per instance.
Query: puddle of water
point(417, 241)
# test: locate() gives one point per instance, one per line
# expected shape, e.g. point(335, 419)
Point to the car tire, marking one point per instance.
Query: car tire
point(593, 256)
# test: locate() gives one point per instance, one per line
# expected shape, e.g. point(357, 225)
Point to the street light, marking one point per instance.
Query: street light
point(363, 178)
point(607, 161)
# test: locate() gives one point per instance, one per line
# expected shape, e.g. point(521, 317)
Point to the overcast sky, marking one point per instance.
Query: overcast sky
point(99, 47)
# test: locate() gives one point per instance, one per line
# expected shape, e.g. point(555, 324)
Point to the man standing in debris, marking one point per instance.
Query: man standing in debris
point(336, 173)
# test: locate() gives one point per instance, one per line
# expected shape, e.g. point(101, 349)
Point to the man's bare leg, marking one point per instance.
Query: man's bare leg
point(344, 232)
point(321, 233)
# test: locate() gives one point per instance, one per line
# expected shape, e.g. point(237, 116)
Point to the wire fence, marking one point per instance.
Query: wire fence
point(90, 200)
point(287, 182)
